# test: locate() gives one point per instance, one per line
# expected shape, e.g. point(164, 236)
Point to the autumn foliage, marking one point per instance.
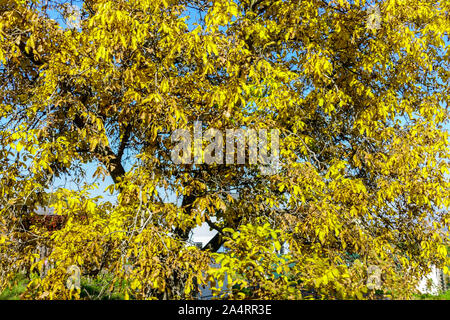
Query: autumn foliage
point(361, 103)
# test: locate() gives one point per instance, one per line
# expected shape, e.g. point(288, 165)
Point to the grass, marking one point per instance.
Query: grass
point(94, 289)
point(442, 296)
point(91, 288)
point(13, 293)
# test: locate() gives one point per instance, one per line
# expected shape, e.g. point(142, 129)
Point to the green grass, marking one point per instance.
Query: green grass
point(94, 289)
point(19, 286)
point(442, 296)
point(91, 288)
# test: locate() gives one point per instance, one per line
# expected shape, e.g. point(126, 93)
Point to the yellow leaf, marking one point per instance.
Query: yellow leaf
point(321, 102)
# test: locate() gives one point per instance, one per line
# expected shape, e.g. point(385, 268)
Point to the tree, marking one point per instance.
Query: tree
point(359, 96)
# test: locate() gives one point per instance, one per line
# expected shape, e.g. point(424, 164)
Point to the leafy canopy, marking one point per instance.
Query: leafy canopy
point(364, 151)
